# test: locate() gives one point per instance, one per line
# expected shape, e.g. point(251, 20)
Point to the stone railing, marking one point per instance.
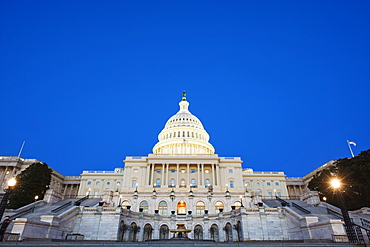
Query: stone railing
point(294, 178)
point(11, 158)
point(66, 214)
point(252, 209)
point(72, 177)
point(272, 210)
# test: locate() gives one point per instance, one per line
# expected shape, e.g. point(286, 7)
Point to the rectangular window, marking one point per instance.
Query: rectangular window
point(88, 183)
point(133, 185)
point(278, 194)
point(231, 184)
point(159, 170)
point(173, 170)
point(270, 194)
point(268, 183)
point(277, 184)
point(135, 170)
point(230, 170)
point(192, 171)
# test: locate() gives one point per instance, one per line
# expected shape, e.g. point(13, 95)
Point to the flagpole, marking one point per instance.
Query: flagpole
point(350, 149)
point(20, 151)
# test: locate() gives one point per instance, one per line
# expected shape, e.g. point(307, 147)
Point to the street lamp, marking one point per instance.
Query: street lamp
point(36, 197)
point(351, 233)
point(119, 203)
point(4, 201)
point(326, 205)
point(227, 192)
point(172, 194)
point(191, 191)
point(135, 196)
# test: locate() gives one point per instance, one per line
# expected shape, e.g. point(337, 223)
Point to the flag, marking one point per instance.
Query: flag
point(353, 143)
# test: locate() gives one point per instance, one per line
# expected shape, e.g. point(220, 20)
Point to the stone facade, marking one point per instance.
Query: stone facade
point(182, 182)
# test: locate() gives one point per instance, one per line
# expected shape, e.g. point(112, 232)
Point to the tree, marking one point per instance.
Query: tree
point(354, 174)
point(34, 180)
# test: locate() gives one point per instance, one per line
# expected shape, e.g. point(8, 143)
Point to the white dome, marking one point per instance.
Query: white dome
point(183, 134)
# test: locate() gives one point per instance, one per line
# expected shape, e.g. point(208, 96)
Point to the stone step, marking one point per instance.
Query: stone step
point(171, 243)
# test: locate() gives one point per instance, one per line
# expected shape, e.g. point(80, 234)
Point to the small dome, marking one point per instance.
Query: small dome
point(183, 134)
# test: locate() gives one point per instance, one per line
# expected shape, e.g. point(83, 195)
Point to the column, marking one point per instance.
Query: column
point(188, 171)
point(167, 170)
point(65, 192)
point(2, 181)
point(177, 174)
point(148, 173)
point(162, 180)
point(202, 181)
point(198, 172)
point(213, 175)
point(152, 178)
point(217, 175)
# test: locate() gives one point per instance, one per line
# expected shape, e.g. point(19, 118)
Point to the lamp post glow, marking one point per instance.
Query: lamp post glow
point(335, 183)
point(4, 201)
point(351, 233)
point(12, 182)
point(246, 187)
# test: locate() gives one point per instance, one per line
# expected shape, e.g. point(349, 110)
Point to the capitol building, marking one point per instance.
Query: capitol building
point(182, 183)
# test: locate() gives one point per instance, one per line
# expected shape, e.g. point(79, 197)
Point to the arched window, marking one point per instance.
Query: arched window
point(218, 205)
point(124, 204)
point(162, 207)
point(158, 182)
point(237, 204)
point(145, 206)
point(172, 182)
point(214, 232)
point(164, 232)
point(133, 232)
point(198, 232)
point(181, 207)
point(193, 182)
point(200, 208)
point(207, 183)
point(182, 183)
point(148, 232)
point(228, 232)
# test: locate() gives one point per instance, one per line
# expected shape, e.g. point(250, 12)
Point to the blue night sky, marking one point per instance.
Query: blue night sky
point(283, 84)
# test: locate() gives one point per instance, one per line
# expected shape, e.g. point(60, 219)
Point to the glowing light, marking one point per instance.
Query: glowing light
point(12, 182)
point(335, 183)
